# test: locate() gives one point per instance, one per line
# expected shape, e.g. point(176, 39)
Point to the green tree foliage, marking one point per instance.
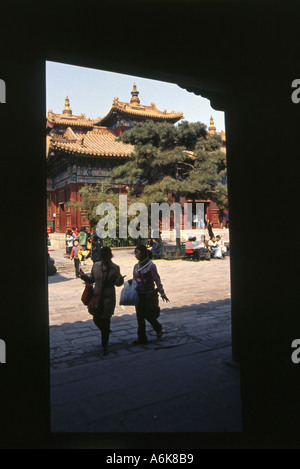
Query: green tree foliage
point(91, 196)
point(168, 161)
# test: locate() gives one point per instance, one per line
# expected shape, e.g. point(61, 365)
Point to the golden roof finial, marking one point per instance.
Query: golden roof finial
point(212, 127)
point(135, 95)
point(67, 109)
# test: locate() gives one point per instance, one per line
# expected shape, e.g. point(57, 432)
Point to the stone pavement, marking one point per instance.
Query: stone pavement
point(184, 382)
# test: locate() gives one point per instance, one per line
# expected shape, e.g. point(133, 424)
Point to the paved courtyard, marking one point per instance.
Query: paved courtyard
point(202, 287)
point(153, 387)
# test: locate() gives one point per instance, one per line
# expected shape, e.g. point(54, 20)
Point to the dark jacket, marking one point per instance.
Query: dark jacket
point(155, 248)
point(96, 250)
point(105, 282)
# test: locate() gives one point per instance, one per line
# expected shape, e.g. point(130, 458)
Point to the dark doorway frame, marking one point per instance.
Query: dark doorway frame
point(249, 78)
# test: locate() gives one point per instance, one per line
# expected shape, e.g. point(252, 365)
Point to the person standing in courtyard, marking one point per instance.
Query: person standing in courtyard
point(82, 239)
point(74, 233)
point(146, 276)
point(226, 219)
point(210, 229)
point(221, 218)
point(106, 275)
point(74, 255)
point(69, 241)
point(96, 244)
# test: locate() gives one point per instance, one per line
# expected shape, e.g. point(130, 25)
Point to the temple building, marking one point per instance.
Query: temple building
point(122, 116)
point(82, 151)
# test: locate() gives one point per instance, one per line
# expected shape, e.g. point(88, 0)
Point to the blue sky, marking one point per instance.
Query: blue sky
point(92, 92)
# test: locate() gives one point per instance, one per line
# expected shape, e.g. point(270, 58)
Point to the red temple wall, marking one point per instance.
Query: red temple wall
point(60, 202)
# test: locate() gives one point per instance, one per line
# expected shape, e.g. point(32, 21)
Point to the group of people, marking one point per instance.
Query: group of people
point(79, 246)
point(214, 248)
point(106, 275)
point(217, 247)
point(80, 235)
point(223, 216)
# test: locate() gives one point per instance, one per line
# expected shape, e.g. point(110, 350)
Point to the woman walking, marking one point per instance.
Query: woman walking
point(145, 274)
point(106, 275)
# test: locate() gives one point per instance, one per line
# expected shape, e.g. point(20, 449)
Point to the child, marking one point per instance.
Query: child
point(74, 255)
point(69, 241)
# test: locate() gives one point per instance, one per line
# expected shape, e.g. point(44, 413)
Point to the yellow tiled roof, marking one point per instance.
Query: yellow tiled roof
point(99, 141)
point(138, 110)
point(70, 120)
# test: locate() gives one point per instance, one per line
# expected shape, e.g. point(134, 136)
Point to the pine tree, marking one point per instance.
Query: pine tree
point(168, 162)
point(171, 161)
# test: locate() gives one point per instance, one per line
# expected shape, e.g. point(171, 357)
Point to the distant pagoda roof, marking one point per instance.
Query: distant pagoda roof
point(212, 130)
point(99, 141)
point(212, 127)
point(67, 119)
point(136, 111)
